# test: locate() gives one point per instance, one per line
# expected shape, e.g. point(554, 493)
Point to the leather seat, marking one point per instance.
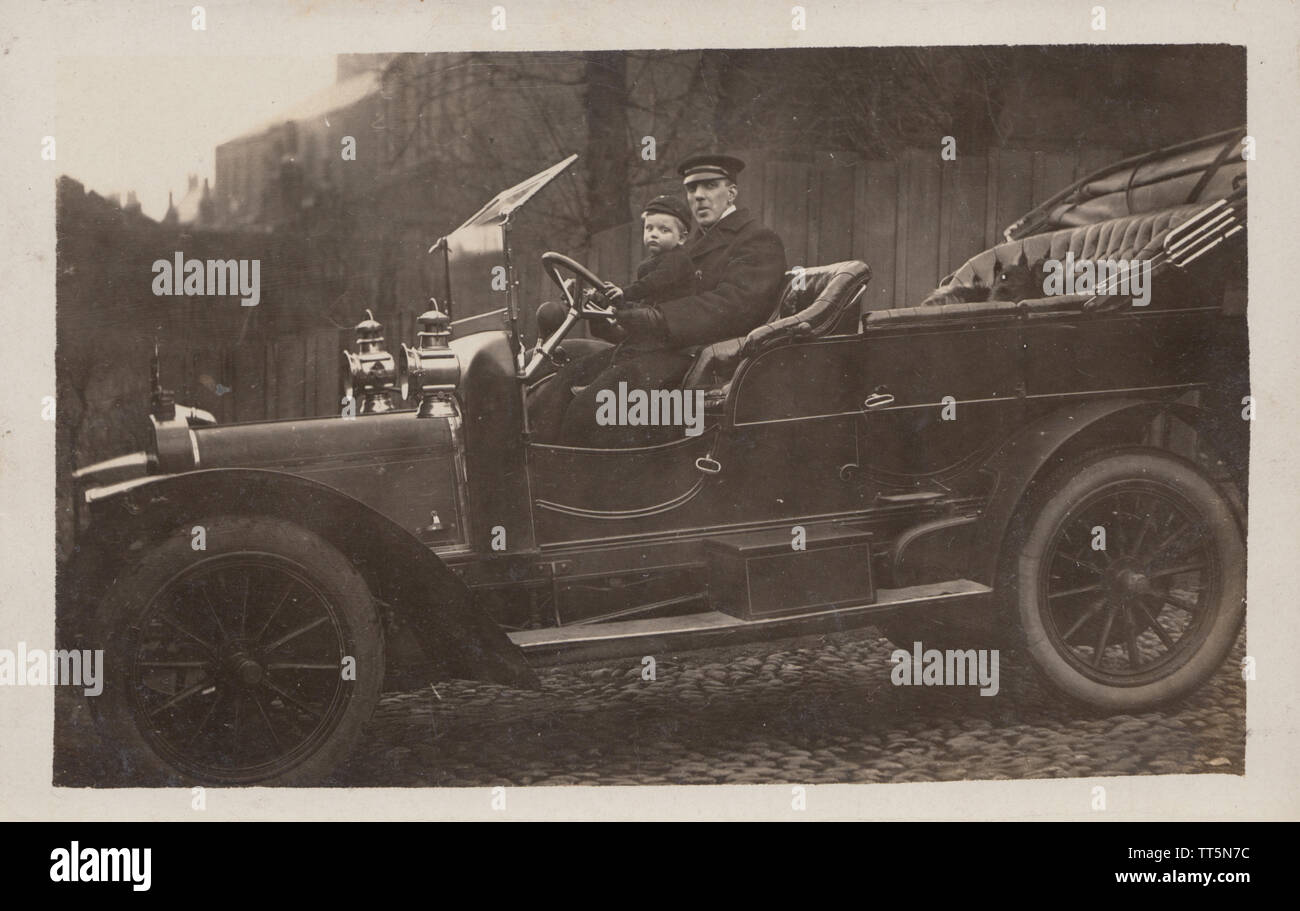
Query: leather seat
point(815, 301)
point(1129, 237)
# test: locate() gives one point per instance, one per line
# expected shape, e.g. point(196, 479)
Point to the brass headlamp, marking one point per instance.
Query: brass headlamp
point(430, 371)
point(369, 376)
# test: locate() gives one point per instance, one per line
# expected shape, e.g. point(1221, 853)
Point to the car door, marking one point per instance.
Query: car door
point(934, 400)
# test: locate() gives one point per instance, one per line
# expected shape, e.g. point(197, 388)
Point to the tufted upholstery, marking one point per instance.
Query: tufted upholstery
point(1130, 237)
point(1138, 237)
point(813, 306)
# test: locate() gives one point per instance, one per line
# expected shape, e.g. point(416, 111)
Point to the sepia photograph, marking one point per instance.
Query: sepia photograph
point(814, 415)
point(433, 410)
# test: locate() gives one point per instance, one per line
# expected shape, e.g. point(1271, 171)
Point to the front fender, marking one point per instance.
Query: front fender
point(424, 594)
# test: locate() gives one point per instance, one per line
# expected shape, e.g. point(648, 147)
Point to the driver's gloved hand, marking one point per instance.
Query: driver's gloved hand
point(643, 323)
point(596, 297)
point(614, 294)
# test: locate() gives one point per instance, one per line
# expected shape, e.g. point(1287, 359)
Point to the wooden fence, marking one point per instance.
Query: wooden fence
point(913, 220)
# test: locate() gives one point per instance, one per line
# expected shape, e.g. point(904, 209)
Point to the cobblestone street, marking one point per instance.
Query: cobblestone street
point(813, 711)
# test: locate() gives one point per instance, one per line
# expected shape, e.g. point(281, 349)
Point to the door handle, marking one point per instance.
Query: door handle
point(879, 398)
point(708, 465)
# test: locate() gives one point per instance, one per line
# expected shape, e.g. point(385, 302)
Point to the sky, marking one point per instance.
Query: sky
point(144, 123)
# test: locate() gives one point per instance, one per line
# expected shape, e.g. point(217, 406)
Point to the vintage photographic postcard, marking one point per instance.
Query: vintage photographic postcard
point(638, 410)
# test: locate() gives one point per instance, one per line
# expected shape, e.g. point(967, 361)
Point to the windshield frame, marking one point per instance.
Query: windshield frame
point(483, 239)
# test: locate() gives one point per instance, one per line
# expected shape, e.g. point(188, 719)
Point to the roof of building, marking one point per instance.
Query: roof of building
point(342, 94)
point(189, 206)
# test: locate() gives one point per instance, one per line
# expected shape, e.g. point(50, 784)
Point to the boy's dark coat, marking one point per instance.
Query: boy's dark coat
point(663, 277)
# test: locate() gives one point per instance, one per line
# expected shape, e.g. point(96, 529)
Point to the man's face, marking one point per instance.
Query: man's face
point(708, 199)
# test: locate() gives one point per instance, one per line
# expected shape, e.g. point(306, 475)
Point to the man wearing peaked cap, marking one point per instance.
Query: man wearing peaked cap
point(739, 268)
point(709, 167)
point(739, 263)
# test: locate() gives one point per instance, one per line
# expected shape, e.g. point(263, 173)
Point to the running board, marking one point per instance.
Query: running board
point(916, 496)
point(594, 641)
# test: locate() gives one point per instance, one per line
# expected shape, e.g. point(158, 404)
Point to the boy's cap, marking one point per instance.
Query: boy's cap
point(668, 205)
point(709, 166)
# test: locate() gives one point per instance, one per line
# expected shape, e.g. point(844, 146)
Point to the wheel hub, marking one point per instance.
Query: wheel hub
point(1132, 582)
point(243, 669)
point(1128, 615)
point(1125, 579)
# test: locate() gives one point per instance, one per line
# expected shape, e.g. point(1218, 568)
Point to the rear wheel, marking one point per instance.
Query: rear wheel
point(1131, 580)
point(256, 660)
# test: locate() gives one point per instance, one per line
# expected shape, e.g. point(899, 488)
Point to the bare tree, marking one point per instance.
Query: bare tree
point(608, 148)
point(875, 101)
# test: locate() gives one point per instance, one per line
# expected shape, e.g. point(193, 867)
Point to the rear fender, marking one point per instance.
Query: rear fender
point(1064, 435)
point(424, 595)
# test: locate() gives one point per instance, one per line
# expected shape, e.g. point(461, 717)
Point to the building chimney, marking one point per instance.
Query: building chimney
point(207, 208)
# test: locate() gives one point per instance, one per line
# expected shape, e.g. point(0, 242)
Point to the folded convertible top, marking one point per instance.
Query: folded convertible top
point(1204, 169)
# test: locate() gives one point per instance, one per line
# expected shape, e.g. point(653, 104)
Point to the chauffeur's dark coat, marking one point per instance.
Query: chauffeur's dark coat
point(740, 265)
point(739, 269)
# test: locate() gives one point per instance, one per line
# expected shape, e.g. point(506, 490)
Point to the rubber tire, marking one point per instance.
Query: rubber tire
point(130, 595)
point(1050, 504)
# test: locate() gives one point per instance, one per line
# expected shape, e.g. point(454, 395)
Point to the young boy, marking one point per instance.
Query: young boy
point(665, 274)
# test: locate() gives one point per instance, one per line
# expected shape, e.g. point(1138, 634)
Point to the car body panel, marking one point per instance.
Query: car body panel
point(402, 468)
point(924, 428)
point(402, 571)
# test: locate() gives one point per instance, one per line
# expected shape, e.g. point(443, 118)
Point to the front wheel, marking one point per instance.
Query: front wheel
point(1131, 581)
point(255, 659)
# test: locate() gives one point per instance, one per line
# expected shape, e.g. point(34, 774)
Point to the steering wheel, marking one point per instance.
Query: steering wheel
point(580, 303)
